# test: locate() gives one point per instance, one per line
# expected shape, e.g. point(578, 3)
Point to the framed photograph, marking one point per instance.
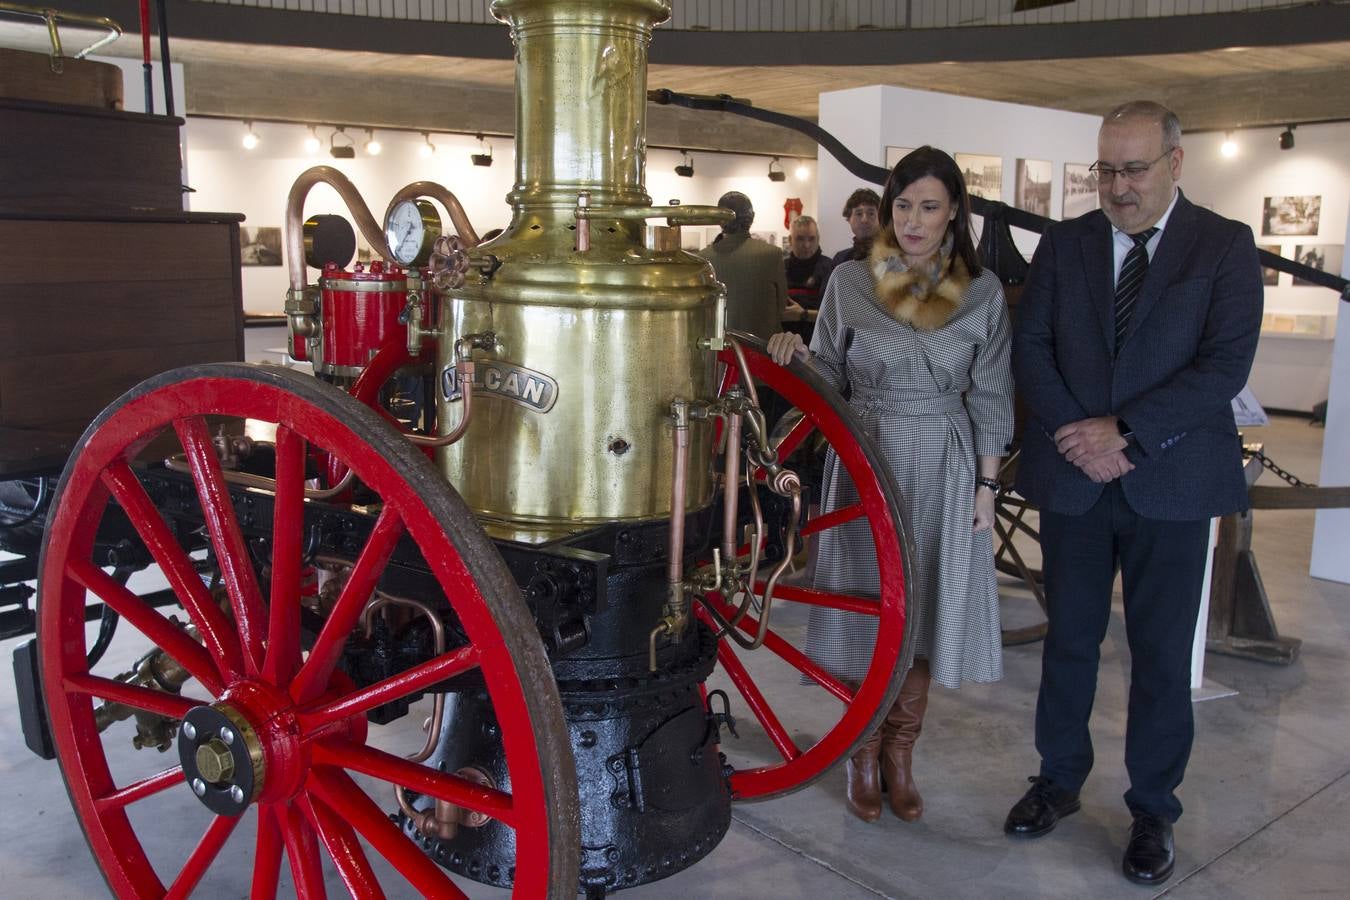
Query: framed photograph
point(1323, 257)
point(1291, 215)
point(260, 246)
point(1270, 277)
point(768, 237)
point(691, 239)
point(1080, 190)
point(895, 154)
point(1031, 186)
point(983, 174)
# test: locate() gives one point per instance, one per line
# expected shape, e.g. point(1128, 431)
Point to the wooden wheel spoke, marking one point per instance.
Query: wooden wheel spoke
point(146, 787)
point(161, 702)
point(423, 779)
point(267, 850)
point(408, 682)
point(337, 790)
point(236, 568)
point(150, 622)
point(791, 655)
point(832, 519)
point(323, 657)
point(343, 848)
point(288, 519)
point(216, 631)
point(865, 606)
point(778, 735)
point(205, 853)
point(302, 851)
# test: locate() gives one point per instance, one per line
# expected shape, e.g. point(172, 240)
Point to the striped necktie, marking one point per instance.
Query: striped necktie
point(1132, 273)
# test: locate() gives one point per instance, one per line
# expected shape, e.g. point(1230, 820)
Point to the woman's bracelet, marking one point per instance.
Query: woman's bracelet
point(992, 483)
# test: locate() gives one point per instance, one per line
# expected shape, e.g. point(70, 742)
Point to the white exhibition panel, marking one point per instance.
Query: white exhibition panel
point(868, 120)
point(1331, 533)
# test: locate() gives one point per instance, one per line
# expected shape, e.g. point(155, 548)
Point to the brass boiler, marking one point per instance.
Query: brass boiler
point(595, 335)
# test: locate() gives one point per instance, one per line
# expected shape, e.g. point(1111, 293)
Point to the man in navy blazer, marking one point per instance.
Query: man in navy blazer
point(1136, 329)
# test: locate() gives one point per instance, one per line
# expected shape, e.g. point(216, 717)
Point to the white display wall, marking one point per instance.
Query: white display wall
point(229, 178)
point(1331, 533)
point(1293, 360)
point(868, 120)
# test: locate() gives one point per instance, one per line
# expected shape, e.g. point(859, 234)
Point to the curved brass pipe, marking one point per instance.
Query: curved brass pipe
point(437, 192)
point(295, 229)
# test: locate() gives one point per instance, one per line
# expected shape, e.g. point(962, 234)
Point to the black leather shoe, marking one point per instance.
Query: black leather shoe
point(1043, 805)
point(1150, 855)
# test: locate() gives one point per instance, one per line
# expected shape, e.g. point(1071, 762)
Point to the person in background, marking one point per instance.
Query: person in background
point(807, 268)
point(751, 270)
point(918, 335)
point(1135, 331)
point(861, 213)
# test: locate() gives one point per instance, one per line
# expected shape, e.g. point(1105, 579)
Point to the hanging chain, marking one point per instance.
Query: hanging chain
point(1289, 477)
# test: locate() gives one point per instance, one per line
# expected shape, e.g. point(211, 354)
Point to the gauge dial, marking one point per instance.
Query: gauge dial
point(411, 228)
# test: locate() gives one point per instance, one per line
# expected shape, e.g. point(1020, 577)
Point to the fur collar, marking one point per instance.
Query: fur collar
point(926, 295)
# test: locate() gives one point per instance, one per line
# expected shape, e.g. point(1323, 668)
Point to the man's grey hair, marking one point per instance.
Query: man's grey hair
point(1151, 112)
point(802, 222)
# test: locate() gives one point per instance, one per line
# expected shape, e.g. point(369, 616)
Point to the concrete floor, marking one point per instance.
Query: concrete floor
point(1267, 794)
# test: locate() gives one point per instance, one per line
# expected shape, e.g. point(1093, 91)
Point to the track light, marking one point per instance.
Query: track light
point(480, 158)
point(312, 142)
point(341, 149)
point(803, 172)
point(373, 147)
point(250, 139)
point(1229, 147)
point(1287, 138)
point(686, 168)
point(776, 174)
point(428, 149)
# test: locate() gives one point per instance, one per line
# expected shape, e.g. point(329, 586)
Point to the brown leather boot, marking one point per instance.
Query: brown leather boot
point(864, 780)
point(903, 724)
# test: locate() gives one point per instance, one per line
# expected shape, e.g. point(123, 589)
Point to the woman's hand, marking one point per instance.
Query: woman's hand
point(785, 345)
point(984, 509)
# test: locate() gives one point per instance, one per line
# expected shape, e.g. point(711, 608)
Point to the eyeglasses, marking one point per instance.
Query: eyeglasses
point(1131, 171)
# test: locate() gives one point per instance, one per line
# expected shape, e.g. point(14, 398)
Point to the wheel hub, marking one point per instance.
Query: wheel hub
point(222, 758)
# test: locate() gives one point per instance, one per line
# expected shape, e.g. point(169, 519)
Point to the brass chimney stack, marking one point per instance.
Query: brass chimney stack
point(595, 334)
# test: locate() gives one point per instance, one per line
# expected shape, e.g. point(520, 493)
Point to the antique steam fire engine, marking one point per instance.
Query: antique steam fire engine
point(591, 517)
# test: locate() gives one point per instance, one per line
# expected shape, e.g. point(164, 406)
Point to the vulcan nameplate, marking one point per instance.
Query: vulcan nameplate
point(531, 389)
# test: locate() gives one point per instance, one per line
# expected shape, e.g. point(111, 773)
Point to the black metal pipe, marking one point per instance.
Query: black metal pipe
point(166, 69)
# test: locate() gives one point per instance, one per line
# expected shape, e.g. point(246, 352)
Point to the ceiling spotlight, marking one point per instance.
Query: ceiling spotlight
point(312, 142)
point(1229, 147)
point(686, 168)
point(776, 174)
point(427, 149)
point(341, 145)
point(250, 139)
point(480, 158)
point(373, 147)
point(803, 172)
point(1287, 138)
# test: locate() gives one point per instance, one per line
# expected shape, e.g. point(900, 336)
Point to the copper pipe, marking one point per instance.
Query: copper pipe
point(464, 368)
point(438, 647)
point(448, 200)
point(294, 222)
point(677, 607)
point(583, 222)
point(731, 487)
point(745, 372)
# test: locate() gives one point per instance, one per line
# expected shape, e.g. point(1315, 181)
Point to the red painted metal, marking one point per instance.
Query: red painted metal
point(859, 709)
point(308, 717)
point(360, 313)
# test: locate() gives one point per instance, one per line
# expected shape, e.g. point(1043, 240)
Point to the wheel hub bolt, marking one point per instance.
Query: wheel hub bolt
point(226, 735)
point(189, 731)
point(215, 762)
point(199, 787)
point(236, 793)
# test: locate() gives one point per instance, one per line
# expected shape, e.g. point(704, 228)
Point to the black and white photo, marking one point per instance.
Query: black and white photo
point(983, 174)
point(1270, 277)
point(1291, 215)
point(1323, 257)
point(1031, 189)
point(1080, 190)
point(260, 246)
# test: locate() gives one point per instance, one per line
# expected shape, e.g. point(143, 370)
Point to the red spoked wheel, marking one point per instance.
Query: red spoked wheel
point(800, 750)
point(277, 731)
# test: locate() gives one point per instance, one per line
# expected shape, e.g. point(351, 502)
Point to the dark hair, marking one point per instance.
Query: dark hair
point(861, 197)
point(918, 164)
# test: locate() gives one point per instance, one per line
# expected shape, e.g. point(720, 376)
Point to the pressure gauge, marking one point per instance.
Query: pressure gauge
point(411, 228)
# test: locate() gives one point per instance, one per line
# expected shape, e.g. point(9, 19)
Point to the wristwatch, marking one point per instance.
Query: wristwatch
point(992, 483)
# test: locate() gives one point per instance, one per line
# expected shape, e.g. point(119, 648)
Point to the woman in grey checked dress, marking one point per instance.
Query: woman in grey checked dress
point(918, 334)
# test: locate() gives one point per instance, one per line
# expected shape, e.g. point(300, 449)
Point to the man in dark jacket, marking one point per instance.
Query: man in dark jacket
point(1136, 329)
point(751, 270)
point(861, 212)
point(807, 268)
